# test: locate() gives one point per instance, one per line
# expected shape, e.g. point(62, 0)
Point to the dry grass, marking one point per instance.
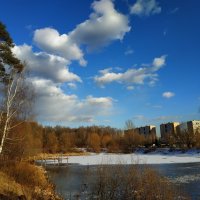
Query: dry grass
point(9, 186)
point(24, 179)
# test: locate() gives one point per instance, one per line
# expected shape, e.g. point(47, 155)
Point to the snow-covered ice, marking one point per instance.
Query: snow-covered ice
point(134, 158)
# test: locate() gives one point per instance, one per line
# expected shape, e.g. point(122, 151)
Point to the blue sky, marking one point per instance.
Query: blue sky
point(104, 62)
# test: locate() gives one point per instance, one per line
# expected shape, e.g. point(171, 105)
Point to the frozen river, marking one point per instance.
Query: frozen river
point(181, 169)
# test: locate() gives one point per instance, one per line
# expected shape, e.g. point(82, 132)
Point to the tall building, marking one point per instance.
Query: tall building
point(191, 126)
point(168, 128)
point(147, 130)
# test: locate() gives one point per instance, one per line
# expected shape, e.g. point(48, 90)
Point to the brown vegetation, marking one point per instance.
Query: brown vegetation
point(25, 181)
point(183, 139)
point(130, 183)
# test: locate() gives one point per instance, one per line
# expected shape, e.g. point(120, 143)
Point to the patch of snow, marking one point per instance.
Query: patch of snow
point(134, 158)
point(186, 178)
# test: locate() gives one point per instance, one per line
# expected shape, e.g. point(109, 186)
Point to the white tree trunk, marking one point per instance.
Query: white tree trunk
point(10, 97)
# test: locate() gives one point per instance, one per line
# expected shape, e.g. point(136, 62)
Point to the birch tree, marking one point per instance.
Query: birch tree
point(13, 88)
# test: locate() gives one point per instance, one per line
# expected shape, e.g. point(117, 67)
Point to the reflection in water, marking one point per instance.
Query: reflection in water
point(70, 180)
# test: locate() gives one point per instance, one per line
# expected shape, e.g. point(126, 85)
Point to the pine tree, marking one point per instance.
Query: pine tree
point(8, 62)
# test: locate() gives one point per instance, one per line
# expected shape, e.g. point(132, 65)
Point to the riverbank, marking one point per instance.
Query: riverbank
point(25, 181)
point(45, 156)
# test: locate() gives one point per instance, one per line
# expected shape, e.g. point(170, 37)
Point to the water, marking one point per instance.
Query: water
point(70, 180)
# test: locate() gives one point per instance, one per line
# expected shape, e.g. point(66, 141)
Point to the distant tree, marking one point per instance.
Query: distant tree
point(94, 142)
point(105, 140)
point(52, 143)
point(129, 125)
point(66, 142)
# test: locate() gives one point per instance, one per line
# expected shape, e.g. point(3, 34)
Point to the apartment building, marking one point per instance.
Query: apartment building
point(147, 130)
point(191, 126)
point(168, 128)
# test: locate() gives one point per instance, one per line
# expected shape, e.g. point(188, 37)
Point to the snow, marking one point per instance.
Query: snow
point(185, 178)
point(133, 158)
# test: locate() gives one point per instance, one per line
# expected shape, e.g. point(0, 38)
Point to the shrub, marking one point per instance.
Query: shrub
point(131, 183)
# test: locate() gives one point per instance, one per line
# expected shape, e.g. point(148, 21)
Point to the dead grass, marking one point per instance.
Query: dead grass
point(9, 186)
point(24, 179)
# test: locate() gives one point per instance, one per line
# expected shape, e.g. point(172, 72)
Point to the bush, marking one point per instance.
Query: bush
point(131, 183)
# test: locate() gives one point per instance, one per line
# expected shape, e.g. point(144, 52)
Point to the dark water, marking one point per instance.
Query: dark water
point(70, 180)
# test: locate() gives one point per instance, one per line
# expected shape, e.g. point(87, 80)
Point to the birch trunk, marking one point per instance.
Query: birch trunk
point(10, 98)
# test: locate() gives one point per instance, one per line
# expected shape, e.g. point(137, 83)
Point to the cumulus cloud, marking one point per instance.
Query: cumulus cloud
point(159, 62)
point(51, 41)
point(104, 25)
point(133, 75)
point(48, 66)
point(145, 8)
point(168, 95)
point(52, 104)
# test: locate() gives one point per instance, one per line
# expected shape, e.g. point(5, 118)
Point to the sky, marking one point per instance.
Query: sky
point(107, 61)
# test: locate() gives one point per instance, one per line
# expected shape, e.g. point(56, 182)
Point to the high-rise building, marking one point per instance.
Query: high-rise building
point(147, 130)
point(168, 129)
point(191, 126)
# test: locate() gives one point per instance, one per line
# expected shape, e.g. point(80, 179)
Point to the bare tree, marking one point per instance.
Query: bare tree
point(17, 98)
point(14, 90)
point(129, 125)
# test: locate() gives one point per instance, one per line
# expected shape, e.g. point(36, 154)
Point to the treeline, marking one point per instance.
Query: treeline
point(182, 139)
point(30, 138)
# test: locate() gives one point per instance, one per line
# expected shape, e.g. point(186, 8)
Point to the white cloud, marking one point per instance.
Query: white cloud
point(173, 11)
point(104, 25)
point(130, 87)
point(168, 95)
point(52, 104)
point(133, 75)
point(140, 117)
point(165, 118)
point(145, 8)
point(47, 75)
point(49, 67)
point(159, 62)
point(45, 65)
point(51, 41)
point(72, 85)
point(129, 52)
